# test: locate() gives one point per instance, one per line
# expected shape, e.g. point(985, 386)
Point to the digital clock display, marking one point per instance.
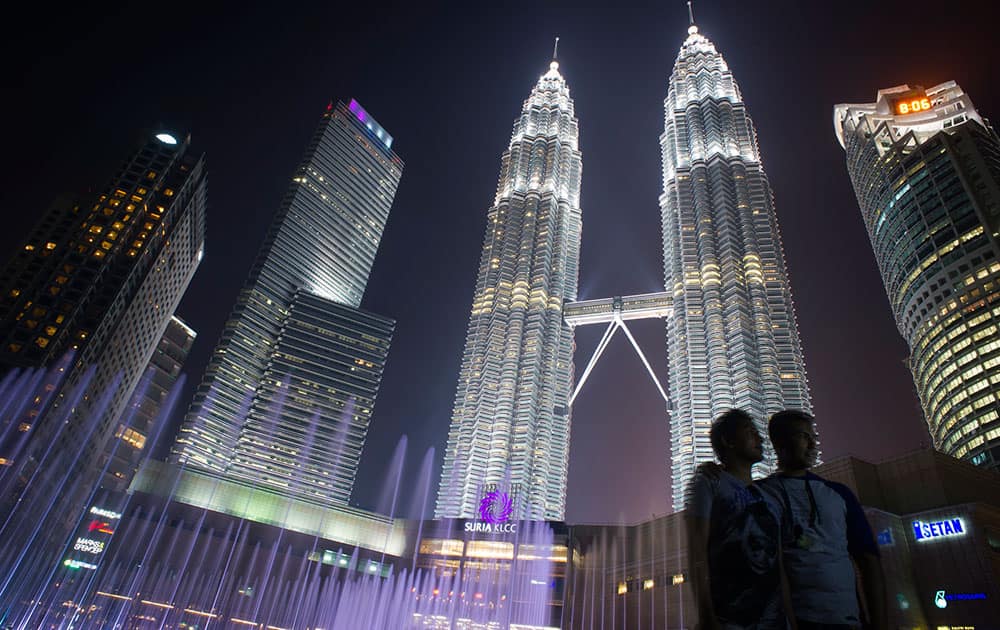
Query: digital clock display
point(912, 104)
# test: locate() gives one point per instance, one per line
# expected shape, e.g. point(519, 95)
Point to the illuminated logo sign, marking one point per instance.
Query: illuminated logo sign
point(938, 529)
point(496, 507)
point(495, 510)
point(885, 537)
point(96, 511)
point(103, 527)
point(88, 545)
point(941, 598)
point(77, 564)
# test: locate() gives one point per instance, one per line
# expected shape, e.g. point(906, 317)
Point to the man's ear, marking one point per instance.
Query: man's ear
point(725, 442)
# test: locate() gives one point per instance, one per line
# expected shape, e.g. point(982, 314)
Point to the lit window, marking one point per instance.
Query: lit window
point(132, 438)
point(41, 342)
point(50, 245)
point(622, 588)
point(441, 547)
point(29, 248)
point(648, 584)
point(169, 192)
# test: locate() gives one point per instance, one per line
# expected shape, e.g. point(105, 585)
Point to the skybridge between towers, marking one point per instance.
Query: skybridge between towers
point(614, 312)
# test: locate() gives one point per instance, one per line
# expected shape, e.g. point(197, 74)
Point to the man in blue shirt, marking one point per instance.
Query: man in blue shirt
point(734, 536)
point(823, 530)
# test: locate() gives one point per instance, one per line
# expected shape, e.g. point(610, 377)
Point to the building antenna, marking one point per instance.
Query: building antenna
point(690, 13)
point(555, 49)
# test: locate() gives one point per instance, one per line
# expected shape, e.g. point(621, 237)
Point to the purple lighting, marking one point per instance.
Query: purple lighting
point(496, 507)
point(358, 110)
point(366, 119)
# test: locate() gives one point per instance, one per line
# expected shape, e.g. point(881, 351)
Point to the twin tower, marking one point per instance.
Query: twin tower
point(287, 398)
point(732, 339)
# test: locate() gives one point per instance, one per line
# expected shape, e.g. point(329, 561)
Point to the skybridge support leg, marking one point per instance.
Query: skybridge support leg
point(635, 345)
point(608, 334)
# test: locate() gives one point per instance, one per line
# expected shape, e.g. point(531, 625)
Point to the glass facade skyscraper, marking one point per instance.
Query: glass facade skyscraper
point(511, 420)
point(926, 170)
point(288, 393)
point(732, 339)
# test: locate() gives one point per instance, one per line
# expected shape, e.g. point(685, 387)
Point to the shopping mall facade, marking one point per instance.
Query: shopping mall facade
point(936, 519)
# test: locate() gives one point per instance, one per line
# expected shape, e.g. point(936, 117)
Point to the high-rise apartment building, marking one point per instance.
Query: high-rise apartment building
point(100, 278)
point(288, 393)
point(511, 420)
point(926, 170)
point(732, 339)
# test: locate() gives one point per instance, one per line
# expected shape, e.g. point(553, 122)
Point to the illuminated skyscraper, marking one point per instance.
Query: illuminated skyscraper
point(926, 170)
point(511, 414)
point(732, 338)
point(288, 393)
point(100, 278)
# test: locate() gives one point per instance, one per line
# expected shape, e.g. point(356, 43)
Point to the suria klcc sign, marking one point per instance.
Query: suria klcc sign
point(929, 530)
point(495, 510)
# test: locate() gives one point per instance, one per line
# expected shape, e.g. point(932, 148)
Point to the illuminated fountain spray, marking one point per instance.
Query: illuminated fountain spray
point(159, 560)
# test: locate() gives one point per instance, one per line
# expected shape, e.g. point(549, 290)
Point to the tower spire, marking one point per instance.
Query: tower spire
point(692, 29)
point(555, 50)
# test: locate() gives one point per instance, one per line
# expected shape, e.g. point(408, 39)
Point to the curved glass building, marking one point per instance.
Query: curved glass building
point(511, 419)
point(926, 170)
point(732, 339)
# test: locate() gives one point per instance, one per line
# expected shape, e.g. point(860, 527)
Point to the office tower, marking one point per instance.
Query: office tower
point(732, 340)
point(288, 393)
point(926, 170)
point(511, 420)
point(100, 278)
point(137, 424)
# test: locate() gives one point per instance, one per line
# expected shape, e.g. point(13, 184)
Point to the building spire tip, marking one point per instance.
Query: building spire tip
point(555, 50)
point(690, 13)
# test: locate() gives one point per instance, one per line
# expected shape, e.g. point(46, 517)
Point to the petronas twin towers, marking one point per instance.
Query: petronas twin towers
point(732, 339)
point(511, 420)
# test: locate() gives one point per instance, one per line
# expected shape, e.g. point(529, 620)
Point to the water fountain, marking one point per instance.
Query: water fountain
point(186, 550)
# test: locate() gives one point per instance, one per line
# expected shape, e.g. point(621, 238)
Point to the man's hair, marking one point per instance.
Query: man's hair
point(726, 426)
point(782, 424)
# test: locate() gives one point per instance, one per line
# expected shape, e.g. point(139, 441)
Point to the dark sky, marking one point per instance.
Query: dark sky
point(447, 80)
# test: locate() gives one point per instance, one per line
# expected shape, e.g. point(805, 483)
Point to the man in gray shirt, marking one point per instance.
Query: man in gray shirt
point(823, 530)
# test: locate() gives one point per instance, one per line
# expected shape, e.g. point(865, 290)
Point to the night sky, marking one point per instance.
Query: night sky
point(447, 80)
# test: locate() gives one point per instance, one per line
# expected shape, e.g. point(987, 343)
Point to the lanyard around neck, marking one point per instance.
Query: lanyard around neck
point(814, 516)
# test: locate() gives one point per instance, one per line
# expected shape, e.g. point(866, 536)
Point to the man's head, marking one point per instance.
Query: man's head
point(794, 439)
point(734, 437)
